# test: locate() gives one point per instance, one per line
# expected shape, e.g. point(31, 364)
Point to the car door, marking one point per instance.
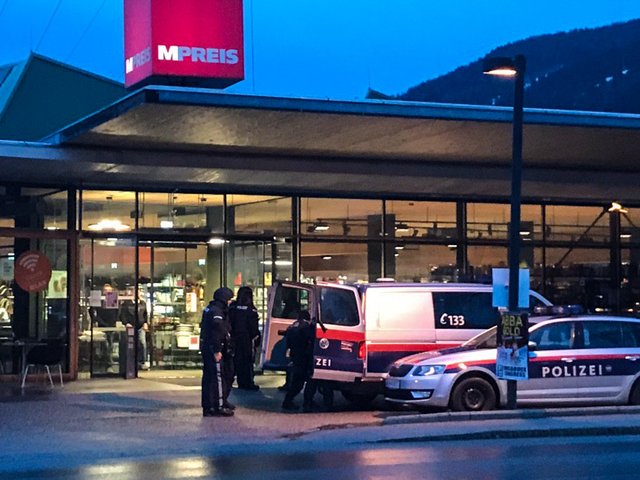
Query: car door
point(607, 360)
point(340, 334)
point(550, 365)
point(285, 301)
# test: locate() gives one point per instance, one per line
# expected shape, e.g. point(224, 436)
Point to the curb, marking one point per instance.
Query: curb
point(527, 433)
point(509, 414)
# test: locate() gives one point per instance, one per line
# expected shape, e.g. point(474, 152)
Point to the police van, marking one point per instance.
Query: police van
point(572, 360)
point(362, 329)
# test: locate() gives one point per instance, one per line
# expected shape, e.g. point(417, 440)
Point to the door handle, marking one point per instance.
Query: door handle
point(567, 359)
point(633, 358)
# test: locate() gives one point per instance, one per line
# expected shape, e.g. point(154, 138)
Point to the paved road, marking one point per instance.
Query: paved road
point(586, 458)
point(92, 427)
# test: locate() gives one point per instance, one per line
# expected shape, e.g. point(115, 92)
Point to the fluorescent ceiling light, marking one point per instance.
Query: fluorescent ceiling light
point(279, 263)
point(402, 227)
point(166, 224)
point(320, 227)
point(327, 257)
point(216, 241)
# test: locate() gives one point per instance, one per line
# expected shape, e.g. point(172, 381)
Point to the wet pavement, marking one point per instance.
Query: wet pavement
point(153, 419)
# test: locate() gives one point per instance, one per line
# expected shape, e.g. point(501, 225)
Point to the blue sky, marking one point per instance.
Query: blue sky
point(322, 48)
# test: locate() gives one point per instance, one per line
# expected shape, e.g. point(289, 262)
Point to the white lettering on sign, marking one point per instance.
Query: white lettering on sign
point(323, 362)
point(175, 53)
point(138, 60)
point(572, 371)
point(452, 320)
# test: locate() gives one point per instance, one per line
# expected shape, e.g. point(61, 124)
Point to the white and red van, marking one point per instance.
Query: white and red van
point(362, 329)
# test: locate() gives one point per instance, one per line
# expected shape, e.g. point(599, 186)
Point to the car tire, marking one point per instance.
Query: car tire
point(634, 396)
point(360, 400)
point(473, 394)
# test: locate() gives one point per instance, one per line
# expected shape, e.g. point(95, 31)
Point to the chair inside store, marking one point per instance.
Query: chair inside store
point(50, 354)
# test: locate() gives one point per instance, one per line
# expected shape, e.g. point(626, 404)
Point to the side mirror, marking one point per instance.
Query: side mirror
point(532, 346)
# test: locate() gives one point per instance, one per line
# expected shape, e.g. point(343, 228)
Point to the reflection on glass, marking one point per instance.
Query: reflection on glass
point(423, 263)
point(482, 259)
point(182, 211)
point(341, 217)
point(428, 220)
point(573, 224)
point(260, 215)
point(339, 262)
point(108, 211)
point(490, 221)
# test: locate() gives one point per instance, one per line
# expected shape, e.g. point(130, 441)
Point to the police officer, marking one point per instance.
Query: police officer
point(214, 345)
point(299, 338)
point(245, 334)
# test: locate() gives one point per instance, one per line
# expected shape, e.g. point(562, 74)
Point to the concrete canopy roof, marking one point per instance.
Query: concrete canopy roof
point(205, 139)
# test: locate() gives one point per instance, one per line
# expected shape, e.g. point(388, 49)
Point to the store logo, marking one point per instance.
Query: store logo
point(175, 53)
point(139, 59)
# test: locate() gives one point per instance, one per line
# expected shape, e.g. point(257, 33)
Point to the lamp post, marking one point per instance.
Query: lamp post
point(513, 67)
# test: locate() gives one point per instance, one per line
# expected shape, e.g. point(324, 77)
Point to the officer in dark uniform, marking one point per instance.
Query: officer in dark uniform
point(300, 337)
point(214, 345)
point(245, 335)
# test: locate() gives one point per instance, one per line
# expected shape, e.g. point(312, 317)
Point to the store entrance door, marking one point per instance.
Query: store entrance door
point(173, 279)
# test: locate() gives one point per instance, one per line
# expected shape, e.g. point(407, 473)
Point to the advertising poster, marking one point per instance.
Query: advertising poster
point(57, 284)
point(512, 358)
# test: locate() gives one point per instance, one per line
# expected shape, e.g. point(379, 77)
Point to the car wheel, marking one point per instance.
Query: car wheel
point(634, 397)
point(361, 400)
point(473, 394)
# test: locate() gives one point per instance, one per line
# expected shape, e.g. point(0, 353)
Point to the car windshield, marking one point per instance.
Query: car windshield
point(486, 339)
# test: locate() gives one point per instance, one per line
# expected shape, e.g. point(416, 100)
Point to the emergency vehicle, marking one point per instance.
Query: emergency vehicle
point(362, 329)
point(572, 360)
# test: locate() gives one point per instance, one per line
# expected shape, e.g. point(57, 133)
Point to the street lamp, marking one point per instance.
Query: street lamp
point(513, 67)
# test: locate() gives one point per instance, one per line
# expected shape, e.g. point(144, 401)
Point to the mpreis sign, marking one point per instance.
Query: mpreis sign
point(182, 41)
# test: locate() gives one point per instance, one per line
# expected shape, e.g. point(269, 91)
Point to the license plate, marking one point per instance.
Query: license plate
point(393, 383)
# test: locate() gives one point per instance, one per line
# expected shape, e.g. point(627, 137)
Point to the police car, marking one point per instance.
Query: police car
point(572, 360)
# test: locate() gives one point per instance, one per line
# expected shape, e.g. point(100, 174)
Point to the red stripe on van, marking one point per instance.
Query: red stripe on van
point(409, 347)
point(331, 334)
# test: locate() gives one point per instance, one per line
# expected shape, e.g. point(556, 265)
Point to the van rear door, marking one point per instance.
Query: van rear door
point(339, 348)
point(286, 299)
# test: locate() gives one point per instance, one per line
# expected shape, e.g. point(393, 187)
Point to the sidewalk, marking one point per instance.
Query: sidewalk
point(90, 421)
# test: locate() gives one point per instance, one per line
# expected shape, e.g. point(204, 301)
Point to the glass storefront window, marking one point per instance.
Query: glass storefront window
point(482, 259)
point(422, 263)
point(341, 217)
point(259, 215)
point(572, 224)
point(430, 220)
point(339, 262)
point(32, 311)
point(34, 208)
point(108, 211)
point(580, 275)
point(490, 221)
point(182, 211)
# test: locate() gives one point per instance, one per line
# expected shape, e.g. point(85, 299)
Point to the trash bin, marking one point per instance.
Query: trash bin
point(127, 354)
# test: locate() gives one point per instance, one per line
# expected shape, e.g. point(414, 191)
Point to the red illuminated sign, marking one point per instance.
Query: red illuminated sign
point(190, 41)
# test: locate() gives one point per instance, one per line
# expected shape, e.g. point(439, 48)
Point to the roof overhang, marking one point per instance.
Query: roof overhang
point(181, 138)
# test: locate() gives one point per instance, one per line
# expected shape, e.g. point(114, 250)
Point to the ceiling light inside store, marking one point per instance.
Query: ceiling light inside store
point(452, 246)
point(399, 247)
point(402, 227)
point(625, 235)
point(279, 263)
point(108, 224)
point(320, 227)
point(202, 262)
point(166, 224)
point(114, 265)
point(327, 257)
point(216, 241)
point(616, 207)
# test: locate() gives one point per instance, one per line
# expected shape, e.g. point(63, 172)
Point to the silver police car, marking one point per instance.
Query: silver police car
point(572, 360)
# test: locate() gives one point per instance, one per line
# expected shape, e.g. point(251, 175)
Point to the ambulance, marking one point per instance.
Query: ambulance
point(361, 330)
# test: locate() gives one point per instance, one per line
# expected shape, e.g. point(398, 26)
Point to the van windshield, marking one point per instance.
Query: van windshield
point(338, 307)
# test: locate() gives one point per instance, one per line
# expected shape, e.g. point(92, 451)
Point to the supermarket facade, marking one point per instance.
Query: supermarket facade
point(171, 192)
point(161, 194)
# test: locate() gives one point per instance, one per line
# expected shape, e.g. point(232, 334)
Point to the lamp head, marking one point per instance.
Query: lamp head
point(503, 66)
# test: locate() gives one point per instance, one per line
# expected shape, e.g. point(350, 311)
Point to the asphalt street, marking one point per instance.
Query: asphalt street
point(106, 423)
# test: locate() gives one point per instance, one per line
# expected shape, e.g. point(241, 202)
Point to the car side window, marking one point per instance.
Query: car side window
point(289, 301)
point(602, 334)
point(556, 336)
point(464, 310)
point(338, 307)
